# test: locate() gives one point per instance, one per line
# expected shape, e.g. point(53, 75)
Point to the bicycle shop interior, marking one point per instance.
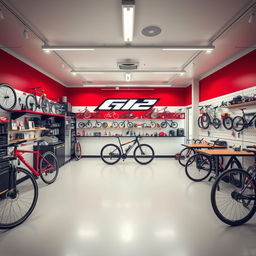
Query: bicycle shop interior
point(127, 127)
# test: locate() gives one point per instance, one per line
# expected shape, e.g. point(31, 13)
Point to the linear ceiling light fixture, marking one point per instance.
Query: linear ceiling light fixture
point(67, 48)
point(182, 72)
point(189, 48)
point(128, 11)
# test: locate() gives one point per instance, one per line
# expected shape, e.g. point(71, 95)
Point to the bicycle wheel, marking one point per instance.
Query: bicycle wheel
point(144, 154)
point(81, 125)
point(104, 124)
point(48, 167)
point(121, 124)
point(45, 106)
point(231, 197)
point(185, 154)
point(114, 124)
point(88, 124)
point(31, 102)
point(78, 150)
point(174, 124)
point(110, 154)
point(8, 97)
point(238, 123)
point(205, 121)
point(198, 167)
point(163, 124)
point(17, 204)
point(199, 121)
point(216, 123)
point(228, 122)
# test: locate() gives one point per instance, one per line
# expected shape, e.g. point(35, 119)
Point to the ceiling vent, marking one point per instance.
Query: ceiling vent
point(128, 65)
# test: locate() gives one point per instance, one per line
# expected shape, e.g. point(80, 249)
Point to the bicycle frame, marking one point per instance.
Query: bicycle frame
point(19, 154)
point(126, 152)
point(247, 124)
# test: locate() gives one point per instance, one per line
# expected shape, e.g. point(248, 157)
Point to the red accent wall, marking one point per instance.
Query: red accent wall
point(23, 77)
point(238, 75)
point(95, 96)
point(188, 95)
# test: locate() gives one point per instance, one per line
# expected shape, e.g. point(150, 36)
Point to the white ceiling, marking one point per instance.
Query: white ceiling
point(97, 22)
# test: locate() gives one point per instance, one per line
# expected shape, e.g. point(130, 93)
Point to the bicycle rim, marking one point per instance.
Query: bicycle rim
point(205, 121)
point(8, 97)
point(228, 123)
point(230, 197)
point(45, 106)
point(238, 123)
point(78, 151)
point(185, 154)
point(15, 210)
point(31, 102)
point(198, 167)
point(144, 154)
point(216, 123)
point(49, 168)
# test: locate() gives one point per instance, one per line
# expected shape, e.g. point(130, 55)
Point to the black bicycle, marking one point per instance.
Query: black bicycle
point(169, 123)
point(199, 166)
point(233, 194)
point(143, 153)
point(18, 196)
point(8, 97)
point(209, 117)
point(241, 122)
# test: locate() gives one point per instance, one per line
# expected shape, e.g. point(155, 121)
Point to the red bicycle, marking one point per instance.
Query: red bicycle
point(46, 164)
point(86, 114)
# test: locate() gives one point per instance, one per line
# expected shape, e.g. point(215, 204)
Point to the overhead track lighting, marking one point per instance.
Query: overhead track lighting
point(128, 11)
point(134, 71)
point(66, 48)
point(188, 48)
point(127, 86)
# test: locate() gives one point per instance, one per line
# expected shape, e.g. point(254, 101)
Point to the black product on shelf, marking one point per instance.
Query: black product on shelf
point(19, 136)
point(180, 132)
point(97, 134)
point(172, 133)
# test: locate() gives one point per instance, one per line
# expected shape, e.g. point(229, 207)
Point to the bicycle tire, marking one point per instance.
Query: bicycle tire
point(114, 124)
point(141, 149)
point(216, 123)
point(78, 150)
point(199, 121)
point(174, 124)
point(205, 121)
point(88, 124)
point(130, 124)
point(104, 154)
point(226, 181)
point(228, 122)
point(22, 188)
point(31, 102)
point(45, 106)
point(50, 176)
point(185, 154)
point(81, 125)
point(121, 124)
point(238, 123)
point(198, 167)
point(104, 125)
point(3, 95)
point(163, 124)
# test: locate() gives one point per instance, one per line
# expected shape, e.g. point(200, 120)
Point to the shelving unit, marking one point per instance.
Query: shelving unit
point(30, 130)
point(31, 139)
point(242, 104)
point(19, 113)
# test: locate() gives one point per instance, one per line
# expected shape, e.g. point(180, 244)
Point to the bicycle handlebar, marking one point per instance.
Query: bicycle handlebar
point(253, 146)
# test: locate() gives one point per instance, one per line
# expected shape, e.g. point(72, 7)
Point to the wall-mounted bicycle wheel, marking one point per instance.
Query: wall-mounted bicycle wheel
point(81, 125)
point(174, 124)
point(205, 121)
point(110, 154)
point(199, 121)
point(45, 106)
point(216, 123)
point(238, 123)
point(8, 97)
point(231, 197)
point(143, 154)
point(78, 151)
point(185, 154)
point(31, 102)
point(163, 124)
point(228, 122)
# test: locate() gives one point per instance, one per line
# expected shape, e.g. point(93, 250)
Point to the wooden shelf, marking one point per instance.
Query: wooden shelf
point(130, 119)
point(241, 104)
point(30, 130)
point(18, 113)
point(122, 128)
point(124, 136)
point(18, 140)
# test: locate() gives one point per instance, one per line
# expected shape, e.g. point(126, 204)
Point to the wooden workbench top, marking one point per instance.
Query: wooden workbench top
point(225, 152)
point(203, 146)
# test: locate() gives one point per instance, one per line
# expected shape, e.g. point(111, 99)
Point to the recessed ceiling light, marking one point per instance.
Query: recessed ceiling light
point(151, 31)
point(209, 51)
point(251, 18)
point(128, 11)
point(1, 15)
point(73, 73)
point(26, 34)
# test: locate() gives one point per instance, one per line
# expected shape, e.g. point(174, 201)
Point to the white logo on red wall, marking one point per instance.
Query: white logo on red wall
point(127, 104)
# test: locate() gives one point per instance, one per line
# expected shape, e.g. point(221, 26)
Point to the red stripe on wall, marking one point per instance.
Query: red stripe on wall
point(238, 75)
point(95, 96)
point(23, 77)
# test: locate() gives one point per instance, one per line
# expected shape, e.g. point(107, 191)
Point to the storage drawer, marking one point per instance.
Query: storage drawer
point(3, 165)
point(4, 181)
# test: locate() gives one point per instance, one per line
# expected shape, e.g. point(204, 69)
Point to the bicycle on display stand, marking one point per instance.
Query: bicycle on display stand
point(78, 149)
point(18, 199)
point(8, 97)
point(169, 123)
point(241, 122)
point(233, 194)
point(111, 115)
point(209, 118)
point(86, 114)
point(143, 153)
point(32, 102)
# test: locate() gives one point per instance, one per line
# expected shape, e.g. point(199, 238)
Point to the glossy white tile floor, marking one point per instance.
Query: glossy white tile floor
point(127, 209)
